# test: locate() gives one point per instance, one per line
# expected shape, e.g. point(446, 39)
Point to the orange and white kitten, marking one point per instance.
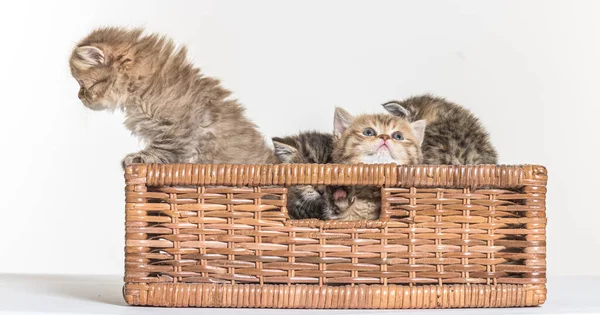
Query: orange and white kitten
point(369, 139)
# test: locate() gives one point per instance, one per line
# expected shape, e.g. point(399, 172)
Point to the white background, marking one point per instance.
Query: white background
point(529, 69)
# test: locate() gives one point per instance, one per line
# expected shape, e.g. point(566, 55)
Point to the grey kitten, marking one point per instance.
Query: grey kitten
point(453, 134)
point(305, 201)
point(181, 115)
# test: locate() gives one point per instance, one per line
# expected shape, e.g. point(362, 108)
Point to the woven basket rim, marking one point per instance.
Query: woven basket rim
point(380, 175)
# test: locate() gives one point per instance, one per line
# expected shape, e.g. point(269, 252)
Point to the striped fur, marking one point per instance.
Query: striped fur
point(305, 201)
point(453, 135)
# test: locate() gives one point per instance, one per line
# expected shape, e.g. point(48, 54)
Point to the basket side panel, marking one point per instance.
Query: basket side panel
point(481, 235)
point(205, 234)
point(534, 186)
point(137, 246)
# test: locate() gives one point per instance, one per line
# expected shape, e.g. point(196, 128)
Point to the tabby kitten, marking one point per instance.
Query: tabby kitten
point(453, 136)
point(181, 115)
point(369, 139)
point(305, 201)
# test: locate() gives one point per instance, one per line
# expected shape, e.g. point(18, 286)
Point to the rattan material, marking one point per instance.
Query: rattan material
point(448, 236)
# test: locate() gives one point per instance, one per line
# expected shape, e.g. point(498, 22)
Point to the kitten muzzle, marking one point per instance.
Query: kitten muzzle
point(383, 145)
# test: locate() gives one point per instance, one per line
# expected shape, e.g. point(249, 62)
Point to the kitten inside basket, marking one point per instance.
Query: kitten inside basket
point(433, 131)
point(186, 117)
point(369, 139)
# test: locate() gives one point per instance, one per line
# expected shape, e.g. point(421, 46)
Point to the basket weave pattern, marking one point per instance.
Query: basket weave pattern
point(448, 236)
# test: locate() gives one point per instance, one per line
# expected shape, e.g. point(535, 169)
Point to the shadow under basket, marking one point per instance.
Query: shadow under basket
point(447, 237)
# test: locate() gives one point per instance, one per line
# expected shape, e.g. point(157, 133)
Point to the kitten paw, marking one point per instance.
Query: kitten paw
point(138, 157)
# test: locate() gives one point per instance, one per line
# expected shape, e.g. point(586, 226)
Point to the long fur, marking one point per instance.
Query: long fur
point(182, 115)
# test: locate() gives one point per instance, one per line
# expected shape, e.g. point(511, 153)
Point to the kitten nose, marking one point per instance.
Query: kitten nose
point(384, 137)
point(80, 95)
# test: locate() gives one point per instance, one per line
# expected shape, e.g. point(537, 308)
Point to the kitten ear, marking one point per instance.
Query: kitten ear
point(88, 56)
point(283, 152)
point(341, 120)
point(418, 129)
point(394, 108)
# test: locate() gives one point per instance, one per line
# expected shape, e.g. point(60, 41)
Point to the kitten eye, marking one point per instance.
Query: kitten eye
point(98, 83)
point(369, 132)
point(397, 136)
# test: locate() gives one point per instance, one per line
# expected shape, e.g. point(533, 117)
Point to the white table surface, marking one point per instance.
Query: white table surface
point(56, 294)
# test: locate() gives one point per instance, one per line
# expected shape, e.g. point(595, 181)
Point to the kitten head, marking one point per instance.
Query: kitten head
point(376, 138)
point(109, 65)
point(307, 147)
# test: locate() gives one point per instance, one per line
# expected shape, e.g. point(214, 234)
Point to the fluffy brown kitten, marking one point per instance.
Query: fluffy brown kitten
point(369, 139)
point(181, 115)
point(453, 136)
point(305, 201)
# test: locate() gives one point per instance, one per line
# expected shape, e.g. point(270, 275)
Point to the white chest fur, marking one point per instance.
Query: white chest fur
point(380, 158)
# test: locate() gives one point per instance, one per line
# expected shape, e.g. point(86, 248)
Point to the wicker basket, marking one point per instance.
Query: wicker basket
point(447, 237)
